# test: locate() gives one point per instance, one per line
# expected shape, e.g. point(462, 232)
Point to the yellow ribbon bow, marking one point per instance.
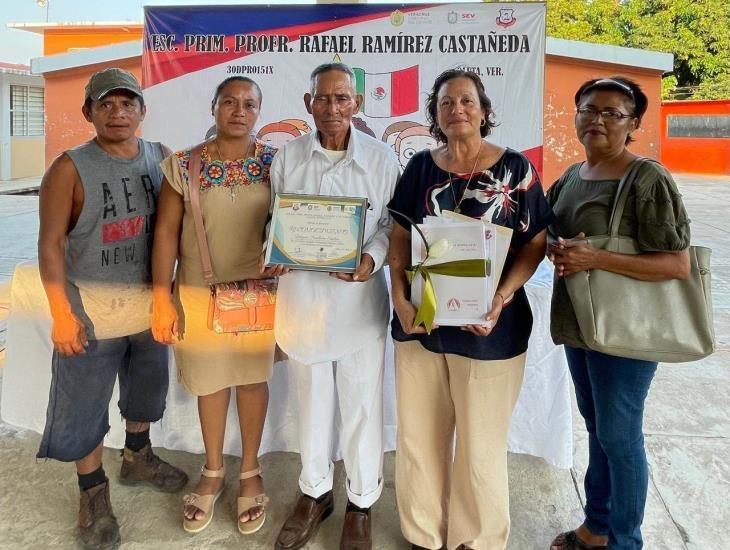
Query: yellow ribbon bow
point(458, 268)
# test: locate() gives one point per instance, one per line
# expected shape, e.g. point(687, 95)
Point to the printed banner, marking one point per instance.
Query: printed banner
point(395, 53)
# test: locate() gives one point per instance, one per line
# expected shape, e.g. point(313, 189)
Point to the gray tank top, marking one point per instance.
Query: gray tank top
point(108, 251)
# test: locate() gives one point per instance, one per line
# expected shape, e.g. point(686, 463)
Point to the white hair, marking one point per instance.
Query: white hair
point(326, 67)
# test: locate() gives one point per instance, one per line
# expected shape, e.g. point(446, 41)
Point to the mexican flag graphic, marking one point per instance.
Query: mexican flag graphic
point(388, 94)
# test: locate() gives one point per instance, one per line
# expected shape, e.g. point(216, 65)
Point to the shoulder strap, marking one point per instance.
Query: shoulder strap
point(622, 194)
point(194, 190)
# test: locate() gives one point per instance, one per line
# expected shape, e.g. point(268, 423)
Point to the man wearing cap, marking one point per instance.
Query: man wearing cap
point(97, 206)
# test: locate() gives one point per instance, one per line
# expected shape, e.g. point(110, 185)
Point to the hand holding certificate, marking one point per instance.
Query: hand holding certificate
point(316, 232)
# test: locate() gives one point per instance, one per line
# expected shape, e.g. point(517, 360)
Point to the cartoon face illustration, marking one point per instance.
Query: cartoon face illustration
point(392, 131)
point(361, 125)
point(301, 125)
point(277, 134)
point(411, 140)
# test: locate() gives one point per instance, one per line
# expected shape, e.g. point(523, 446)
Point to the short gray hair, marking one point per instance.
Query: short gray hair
point(326, 67)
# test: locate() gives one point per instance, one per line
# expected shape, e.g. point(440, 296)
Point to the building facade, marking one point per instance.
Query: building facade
point(22, 122)
point(695, 136)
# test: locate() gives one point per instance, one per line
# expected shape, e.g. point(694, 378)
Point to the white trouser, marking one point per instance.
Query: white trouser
point(353, 385)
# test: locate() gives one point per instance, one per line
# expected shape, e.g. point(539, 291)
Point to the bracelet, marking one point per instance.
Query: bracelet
point(501, 296)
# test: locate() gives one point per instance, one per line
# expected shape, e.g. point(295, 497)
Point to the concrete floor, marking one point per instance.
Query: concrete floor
point(687, 428)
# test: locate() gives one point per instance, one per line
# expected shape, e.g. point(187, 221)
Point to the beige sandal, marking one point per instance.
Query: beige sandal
point(246, 504)
point(204, 503)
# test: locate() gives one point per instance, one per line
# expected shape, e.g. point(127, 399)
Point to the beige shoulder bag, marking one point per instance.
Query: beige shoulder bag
point(669, 321)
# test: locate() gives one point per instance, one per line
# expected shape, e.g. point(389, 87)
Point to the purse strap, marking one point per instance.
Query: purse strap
point(622, 194)
point(194, 190)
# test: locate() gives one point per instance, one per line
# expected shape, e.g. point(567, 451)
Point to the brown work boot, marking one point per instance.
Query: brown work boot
point(144, 466)
point(98, 529)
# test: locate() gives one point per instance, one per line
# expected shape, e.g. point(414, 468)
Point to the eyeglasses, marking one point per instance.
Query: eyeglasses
point(587, 113)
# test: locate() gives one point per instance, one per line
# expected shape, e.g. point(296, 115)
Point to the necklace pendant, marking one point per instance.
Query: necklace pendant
point(457, 210)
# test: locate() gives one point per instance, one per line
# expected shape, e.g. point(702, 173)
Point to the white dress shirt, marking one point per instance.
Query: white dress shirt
point(318, 317)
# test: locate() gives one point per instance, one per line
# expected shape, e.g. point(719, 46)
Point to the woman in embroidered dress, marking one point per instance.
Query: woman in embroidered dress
point(233, 184)
point(462, 380)
point(611, 390)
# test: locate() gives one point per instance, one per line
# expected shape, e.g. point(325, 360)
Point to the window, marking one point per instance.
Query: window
point(26, 111)
point(699, 126)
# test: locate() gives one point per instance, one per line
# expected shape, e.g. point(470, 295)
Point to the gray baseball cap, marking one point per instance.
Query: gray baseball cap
point(103, 82)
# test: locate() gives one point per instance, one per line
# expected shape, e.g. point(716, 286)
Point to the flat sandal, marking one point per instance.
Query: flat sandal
point(204, 503)
point(570, 541)
point(246, 504)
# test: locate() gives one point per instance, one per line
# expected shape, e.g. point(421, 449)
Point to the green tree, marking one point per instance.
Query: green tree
point(697, 32)
point(585, 20)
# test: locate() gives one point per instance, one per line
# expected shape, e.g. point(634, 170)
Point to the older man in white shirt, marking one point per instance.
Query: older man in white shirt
point(333, 325)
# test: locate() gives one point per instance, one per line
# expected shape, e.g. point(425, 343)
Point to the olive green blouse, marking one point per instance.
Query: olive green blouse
point(654, 216)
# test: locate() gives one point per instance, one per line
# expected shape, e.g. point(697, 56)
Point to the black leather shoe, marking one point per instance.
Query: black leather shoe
point(302, 523)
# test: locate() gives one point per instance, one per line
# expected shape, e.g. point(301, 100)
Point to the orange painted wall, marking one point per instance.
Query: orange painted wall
point(65, 125)
point(61, 40)
point(563, 76)
point(695, 155)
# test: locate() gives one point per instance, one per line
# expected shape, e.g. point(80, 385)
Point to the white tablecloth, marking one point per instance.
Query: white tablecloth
point(541, 424)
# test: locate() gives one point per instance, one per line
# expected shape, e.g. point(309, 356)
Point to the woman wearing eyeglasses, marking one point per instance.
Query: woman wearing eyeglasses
point(611, 390)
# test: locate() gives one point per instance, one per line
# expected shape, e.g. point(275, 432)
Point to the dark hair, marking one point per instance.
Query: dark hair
point(230, 79)
point(432, 103)
point(626, 87)
point(121, 91)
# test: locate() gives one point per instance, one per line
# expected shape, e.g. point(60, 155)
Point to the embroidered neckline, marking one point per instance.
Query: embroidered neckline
point(233, 173)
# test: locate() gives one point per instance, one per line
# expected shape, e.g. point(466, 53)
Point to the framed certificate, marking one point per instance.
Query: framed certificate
point(316, 232)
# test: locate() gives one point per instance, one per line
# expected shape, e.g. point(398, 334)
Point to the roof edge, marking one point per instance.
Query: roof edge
point(41, 27)
point(90, 56)
point(606, 53)
point(693, 101)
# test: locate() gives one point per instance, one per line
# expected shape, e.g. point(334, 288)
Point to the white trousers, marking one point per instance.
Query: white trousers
point(352, 386)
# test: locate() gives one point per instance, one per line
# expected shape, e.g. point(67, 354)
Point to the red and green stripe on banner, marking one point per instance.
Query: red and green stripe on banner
point(388, 94)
